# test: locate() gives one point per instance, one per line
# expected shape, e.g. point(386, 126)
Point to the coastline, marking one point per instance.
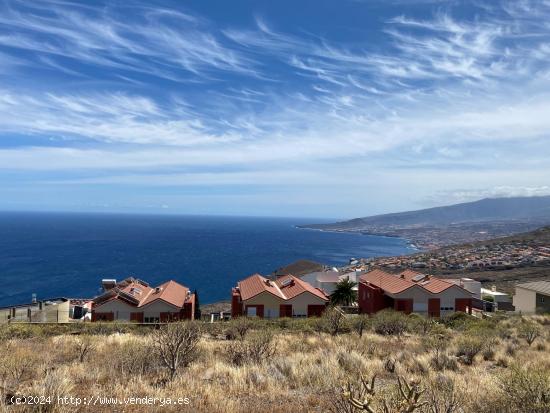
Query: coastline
point(410, 243)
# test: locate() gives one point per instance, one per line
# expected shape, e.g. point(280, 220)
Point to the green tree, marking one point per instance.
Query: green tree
point(344, 294)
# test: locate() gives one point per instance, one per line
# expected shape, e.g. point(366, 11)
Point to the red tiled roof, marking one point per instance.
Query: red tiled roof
point(388, 282)
point(285, 287)
point(296, 286)
point(432, 284)
point(397, 283)
point(256, 284)
point(139, 294)
point(171, 292)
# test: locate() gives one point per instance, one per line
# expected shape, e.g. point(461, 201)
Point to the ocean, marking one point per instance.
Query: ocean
point(67, 254)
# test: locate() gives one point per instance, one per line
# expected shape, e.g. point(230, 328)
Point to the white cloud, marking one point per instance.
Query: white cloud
point(161, 43)
point(441, 91)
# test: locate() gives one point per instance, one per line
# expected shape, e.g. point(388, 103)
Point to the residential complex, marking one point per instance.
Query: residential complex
point(287, 296)
point(410, 291)
point(328, 279)
point(135, 300)
point(497, 256)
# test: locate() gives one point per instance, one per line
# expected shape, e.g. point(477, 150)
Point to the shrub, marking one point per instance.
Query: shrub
point(406, 397)
point(468, 348)
point(239, 328)
point(176, 344)
point(334, 320)
point(529, 331)
point(511, 350)
point(443, 361)
point(256, 348)
point(457, 321)
point(443, 396)
point(361, 323)
point(527, 390)
point(422, 325)
point(390, 323)
point(488, 354)
point(503, 362)
point(390, 365)
point(83, 346)
point(133, 358)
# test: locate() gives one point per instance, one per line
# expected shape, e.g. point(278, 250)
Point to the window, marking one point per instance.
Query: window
point(151, 320)
point(251, 311)
point(541, 299)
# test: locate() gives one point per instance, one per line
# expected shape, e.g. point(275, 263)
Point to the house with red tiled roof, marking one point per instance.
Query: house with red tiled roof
point(411, 291)
point(288, 296)
point(135, 300)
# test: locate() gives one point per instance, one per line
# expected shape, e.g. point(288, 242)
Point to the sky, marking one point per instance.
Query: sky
point(317, 108)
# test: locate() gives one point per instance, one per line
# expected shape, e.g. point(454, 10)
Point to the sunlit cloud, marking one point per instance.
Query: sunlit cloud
point(162, 97)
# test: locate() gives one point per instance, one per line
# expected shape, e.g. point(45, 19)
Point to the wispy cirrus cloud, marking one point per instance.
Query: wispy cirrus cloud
point(168, 97)
point(160, 42)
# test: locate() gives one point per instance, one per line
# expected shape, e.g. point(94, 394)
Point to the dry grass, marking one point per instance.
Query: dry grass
point(300, 368)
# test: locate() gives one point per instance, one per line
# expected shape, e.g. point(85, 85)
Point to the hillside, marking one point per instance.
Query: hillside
point(458, 364)
point(454, 224)
point(502, 261)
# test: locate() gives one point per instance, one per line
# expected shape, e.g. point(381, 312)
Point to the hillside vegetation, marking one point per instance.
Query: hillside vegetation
point(460, 364)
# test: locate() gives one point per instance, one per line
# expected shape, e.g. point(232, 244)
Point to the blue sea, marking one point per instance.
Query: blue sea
point(62, 254)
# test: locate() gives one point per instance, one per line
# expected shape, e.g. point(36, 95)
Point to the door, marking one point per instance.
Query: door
point(136, 317)
point(315, 310)
point(464, 305)
point(405, 305)
point(285, 310)
point(255, 311)
point(110, 316)
point(434, 306)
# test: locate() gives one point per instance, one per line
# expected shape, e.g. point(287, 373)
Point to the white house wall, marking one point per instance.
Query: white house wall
point(156, 307)
point(122, 310)
point(300, 303)
point(271, 303)
point(420, 298)
point(525, 300)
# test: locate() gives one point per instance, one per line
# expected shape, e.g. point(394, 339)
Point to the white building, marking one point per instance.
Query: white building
point(533, 297)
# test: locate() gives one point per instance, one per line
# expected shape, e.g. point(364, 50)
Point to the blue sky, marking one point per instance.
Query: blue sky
point(311, 108)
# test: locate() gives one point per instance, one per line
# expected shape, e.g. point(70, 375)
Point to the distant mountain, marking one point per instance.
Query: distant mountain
point(489, 209)
point(466, 222)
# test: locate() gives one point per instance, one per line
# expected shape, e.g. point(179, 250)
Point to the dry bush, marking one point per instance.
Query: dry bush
point(239, 328)
point(390, 323)
point(83, 345)
point(333, 320)
point(529, 331)
point(259, 346)
point(406, 396)
point(443, 396)
point(511, 349)
point(133, 358)
point(361, 323)
point(527, 389)
point(53, 385)
point(176, 344)
point(469, 347)
point(488, 354)
point(18, 364)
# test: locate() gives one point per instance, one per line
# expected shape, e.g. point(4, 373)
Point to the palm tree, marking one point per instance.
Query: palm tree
point(344, 294)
